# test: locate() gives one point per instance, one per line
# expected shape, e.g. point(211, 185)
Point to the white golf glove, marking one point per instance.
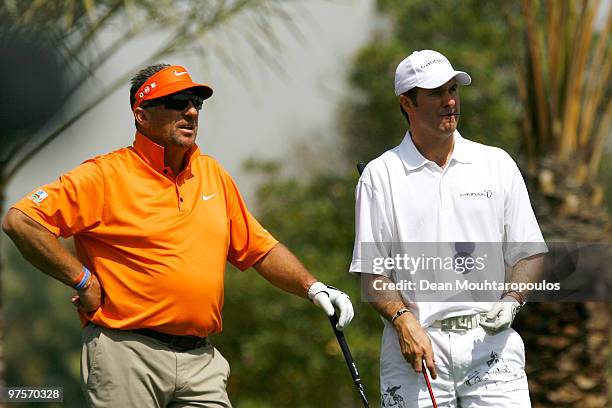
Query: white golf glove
point(326, 297)
point(500, 317)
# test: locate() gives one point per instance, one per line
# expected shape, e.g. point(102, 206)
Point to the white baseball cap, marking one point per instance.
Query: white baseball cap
point(426, 69)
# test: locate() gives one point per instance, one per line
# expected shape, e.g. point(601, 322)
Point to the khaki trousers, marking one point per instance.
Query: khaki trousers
point(124, 369)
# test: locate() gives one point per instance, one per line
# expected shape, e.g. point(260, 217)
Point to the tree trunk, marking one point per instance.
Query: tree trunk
point(567, 353)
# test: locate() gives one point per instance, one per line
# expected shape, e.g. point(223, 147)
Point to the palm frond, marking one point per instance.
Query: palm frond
point(598, 74)
point(191, 24)
point(563, 68)
point(536, 54)
point(573, 101)
point(603, 134)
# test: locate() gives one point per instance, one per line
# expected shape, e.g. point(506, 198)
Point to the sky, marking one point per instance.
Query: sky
point(260, 114)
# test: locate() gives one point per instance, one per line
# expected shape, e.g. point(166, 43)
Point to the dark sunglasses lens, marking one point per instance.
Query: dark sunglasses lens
point(180, 102)
point(197, 102)
point(176, 104)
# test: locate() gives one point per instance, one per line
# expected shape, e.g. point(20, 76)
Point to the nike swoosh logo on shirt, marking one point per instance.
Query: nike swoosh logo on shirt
point(206, 198)
point(179, 73)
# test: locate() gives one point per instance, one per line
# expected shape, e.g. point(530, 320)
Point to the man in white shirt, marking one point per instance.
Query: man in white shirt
point(437, 187)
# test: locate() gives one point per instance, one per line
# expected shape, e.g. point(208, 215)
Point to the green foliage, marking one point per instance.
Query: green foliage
point(42, 331)
point(281, 348)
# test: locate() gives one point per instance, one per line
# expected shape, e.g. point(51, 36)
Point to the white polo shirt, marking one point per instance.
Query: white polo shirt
point(479, 196)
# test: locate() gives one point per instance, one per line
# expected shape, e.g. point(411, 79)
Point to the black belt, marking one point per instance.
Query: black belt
point(178, 343)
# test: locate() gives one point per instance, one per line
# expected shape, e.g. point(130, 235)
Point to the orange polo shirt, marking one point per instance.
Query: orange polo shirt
point(158, 243)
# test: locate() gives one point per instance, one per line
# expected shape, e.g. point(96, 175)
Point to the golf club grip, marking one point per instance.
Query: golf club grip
point(349, 359)
point(429, 389)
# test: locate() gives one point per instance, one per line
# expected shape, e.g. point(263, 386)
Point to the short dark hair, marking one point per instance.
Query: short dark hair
point(412, 94)
point(141, 77)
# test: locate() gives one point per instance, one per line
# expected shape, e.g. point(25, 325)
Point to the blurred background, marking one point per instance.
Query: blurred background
point(304, 90)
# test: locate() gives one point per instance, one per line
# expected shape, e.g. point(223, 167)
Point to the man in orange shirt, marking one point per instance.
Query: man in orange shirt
point(153, 226)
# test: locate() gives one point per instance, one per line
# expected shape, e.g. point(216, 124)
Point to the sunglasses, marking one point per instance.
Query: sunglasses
point(177, 102)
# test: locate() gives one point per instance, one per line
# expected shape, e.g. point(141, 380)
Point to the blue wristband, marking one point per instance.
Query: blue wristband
point(83, 281)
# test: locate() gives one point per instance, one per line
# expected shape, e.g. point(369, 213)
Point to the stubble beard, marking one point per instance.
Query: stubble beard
point(180, 141)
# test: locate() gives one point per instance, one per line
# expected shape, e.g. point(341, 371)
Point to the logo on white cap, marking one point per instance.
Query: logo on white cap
point(426, 69)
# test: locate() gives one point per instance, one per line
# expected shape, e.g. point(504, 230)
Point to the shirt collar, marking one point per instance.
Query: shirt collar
point(413, 159)
point(460, 149)
point(153, 154)
point(410, 155)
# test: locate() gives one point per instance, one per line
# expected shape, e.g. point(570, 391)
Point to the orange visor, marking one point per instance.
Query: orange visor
point(168, 81)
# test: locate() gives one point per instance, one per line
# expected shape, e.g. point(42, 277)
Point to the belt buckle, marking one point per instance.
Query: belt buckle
point(447, 324)
point(464, 322)
point(457, 323)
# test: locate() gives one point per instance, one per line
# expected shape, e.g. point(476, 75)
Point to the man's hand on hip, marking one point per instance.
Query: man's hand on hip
point(90, 298)
point(415, 343)
point(500, 317)
point(328, 297)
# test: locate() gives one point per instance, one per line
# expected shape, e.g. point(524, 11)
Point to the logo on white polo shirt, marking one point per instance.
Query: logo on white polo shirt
point(476, 194)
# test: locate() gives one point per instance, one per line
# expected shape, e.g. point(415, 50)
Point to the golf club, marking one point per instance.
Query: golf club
point(349, 360)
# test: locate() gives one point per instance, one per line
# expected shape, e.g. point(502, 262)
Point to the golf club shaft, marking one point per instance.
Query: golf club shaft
point(349, 359)
point(340, 336)
point(431, 394)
